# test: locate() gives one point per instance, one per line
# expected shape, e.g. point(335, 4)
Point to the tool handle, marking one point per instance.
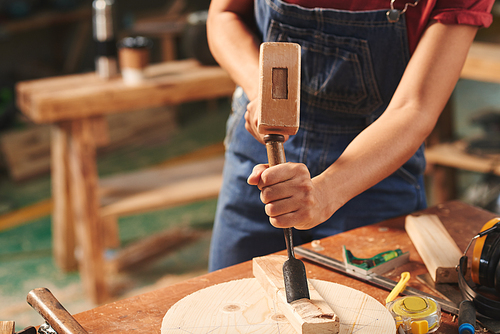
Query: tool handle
point(276, 156)
point(275, 149)
point(466, 317)
point(44, 302)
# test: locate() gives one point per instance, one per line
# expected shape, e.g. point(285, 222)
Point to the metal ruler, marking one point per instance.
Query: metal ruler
point(372, 278)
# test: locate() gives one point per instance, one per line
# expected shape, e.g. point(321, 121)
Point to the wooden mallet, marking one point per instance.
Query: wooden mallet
point(279, 115)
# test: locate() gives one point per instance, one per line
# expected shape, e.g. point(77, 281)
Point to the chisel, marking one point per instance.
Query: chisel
point(279, 115)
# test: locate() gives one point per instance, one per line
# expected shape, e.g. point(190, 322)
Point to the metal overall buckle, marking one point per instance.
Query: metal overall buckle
point(393, 14)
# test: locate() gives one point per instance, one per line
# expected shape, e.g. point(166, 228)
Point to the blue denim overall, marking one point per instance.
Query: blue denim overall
point(352, 63)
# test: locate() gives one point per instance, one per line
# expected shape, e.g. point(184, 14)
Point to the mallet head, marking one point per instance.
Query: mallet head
point(279, 88)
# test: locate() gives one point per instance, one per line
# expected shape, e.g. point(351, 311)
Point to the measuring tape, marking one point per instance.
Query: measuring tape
point(416, 315)
point(413, 314)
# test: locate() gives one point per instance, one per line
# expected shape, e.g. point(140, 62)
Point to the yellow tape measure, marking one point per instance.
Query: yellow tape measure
point(416, 315)
point(413, 314)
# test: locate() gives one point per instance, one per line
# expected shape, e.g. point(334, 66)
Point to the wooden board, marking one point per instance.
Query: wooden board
point(482, 63)
point(242, 306)
point(455, 155)
point(435, 246)
point(84, 95)
point(313, 315)
point(161, 188)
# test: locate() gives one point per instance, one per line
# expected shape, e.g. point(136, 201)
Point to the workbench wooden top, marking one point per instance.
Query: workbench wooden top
point(83, 95)
point(144, 313)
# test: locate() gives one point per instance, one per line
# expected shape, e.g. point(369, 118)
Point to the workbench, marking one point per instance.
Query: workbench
point(76, 105)
point(144, 313)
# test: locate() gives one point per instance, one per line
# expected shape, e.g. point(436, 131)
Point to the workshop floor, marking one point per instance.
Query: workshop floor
point(26, 260)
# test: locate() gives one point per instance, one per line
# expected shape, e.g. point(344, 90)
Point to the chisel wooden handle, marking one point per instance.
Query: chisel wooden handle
point(276, 156)
point(44, 302)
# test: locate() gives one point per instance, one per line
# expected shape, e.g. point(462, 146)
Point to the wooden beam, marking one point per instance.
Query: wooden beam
point(178, 193)
point(307, 316)
point(84, 95)
point(161, 188)
point(482, 63)
point(435, 246)
point(26, 214)
point(455, 155)
point(146, 250)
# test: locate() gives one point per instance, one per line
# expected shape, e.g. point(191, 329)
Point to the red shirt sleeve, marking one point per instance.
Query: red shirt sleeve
point(469, 12)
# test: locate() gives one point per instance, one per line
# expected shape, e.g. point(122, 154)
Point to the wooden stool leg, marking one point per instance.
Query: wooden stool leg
point(84, 189)
point(63, 234)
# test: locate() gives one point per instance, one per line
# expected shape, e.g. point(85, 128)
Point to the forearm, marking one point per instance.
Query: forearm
point(389, 142)
point(232, 43)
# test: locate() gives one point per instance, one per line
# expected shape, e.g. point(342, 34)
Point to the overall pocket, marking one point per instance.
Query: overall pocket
point(337, 74)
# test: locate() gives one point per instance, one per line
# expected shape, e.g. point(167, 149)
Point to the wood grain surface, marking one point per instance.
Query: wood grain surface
point(437, 248)
point(242, 306)
point(83, 95)
point(311, 315)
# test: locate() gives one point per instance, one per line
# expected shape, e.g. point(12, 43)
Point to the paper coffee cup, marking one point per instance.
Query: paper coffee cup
point(133, 55)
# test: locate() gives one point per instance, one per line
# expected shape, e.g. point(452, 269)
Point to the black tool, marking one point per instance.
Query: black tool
point(466, 318)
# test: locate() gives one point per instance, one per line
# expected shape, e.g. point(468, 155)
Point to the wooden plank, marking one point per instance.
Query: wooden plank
point(166, 84)
point(122, 185)
point(7, 327)
point(435, 246)
point(86, 209)
point(482, 63)
point(454, 155)
point(312, 316)
point(146, 250)
point(63, 231)
point(179, 193)
point(26, 214)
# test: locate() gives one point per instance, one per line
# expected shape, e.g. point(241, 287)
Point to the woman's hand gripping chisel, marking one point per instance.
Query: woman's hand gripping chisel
point(279, 115)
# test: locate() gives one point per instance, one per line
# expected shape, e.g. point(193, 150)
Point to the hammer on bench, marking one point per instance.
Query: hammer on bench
point(279, 115)
point(56, 317)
